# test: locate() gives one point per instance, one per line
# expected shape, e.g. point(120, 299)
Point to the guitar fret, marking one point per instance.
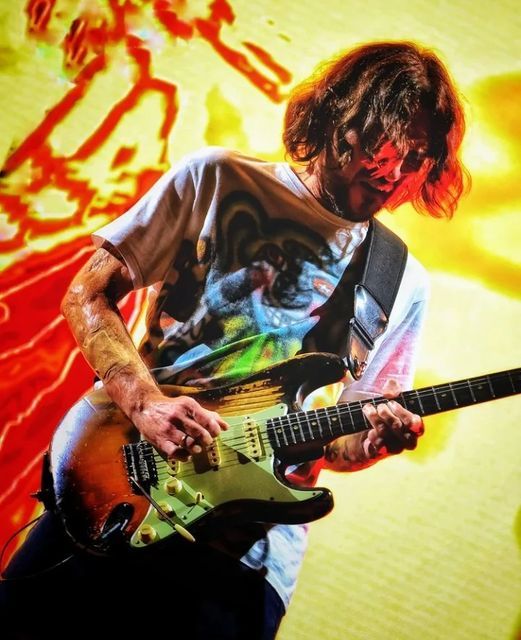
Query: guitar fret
point(365, 420)
point(313, 423)
point(353, 428)
point(338, 419)
point(326, 414)
point(453, 395)
point(292, 428)
point(481, 390)
point(305, 426)
point(282, 431)
point(301, 431)
point(445, 399)
point(327, 423)
point(420, 402)
point(435, 395)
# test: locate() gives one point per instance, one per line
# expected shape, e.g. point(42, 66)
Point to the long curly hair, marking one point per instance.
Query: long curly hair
point(377, 89)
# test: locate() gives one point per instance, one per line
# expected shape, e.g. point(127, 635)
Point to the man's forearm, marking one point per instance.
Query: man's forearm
point(102, 336)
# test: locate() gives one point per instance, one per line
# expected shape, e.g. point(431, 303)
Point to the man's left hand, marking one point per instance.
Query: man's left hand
point(393, 428)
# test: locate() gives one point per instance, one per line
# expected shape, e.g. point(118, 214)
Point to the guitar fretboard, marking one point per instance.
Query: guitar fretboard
point(328, 423)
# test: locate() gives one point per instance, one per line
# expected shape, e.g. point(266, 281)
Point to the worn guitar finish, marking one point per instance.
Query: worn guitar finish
point(113, 489)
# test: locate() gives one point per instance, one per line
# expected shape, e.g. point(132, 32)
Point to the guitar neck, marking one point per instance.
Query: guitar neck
point(328, 423)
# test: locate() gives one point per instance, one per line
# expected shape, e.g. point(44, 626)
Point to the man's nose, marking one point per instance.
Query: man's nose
point(394, 172)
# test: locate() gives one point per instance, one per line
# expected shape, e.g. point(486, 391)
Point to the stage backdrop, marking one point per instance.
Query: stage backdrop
point(99, 97)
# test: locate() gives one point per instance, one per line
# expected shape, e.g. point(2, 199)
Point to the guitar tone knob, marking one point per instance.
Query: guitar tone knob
point(147, 534)
point(173, 486)
point(167, 508)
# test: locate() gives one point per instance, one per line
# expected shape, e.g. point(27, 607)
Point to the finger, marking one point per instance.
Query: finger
point(372, 416)
point(392, 422)
point(173, 451)
point(412, 421)
point(184, 442)
point(191, 427)
point(374, 438)
point(179, 454)
point(399, 423)
point(210, 420)
point(190, 445)
point(391, 388)
point(390, 419)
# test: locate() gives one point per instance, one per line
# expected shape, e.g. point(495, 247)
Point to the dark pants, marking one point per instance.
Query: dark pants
point(186, 592)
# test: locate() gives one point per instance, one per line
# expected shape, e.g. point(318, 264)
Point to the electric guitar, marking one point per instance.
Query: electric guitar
point(112, 488)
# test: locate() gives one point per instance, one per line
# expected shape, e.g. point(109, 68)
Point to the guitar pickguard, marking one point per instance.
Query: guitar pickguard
point(239, 467)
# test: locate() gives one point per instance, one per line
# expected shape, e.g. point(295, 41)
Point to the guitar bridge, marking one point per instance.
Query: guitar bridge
point(140, 464)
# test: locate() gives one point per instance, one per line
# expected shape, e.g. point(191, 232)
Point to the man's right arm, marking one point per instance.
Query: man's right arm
point(175, 426)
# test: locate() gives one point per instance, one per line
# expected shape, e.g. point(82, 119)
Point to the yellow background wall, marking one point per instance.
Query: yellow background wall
point(425, 545)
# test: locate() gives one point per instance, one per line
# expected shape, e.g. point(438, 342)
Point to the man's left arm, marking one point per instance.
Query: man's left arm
point(391, 427)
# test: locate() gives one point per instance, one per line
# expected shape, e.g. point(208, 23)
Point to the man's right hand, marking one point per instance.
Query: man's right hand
point(177, 427)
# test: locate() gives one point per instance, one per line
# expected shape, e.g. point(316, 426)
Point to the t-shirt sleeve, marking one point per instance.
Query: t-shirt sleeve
point(149, 233)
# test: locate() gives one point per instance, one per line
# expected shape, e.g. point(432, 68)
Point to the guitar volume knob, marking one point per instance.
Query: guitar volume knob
point(173, 486)
point(147, 534)
point(167, 508)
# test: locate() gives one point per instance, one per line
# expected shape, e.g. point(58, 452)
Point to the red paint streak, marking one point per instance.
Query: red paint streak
point(210, 31)
point(281, 72)
point(221, 11)
point(39, 13)
point(123, 156)
point(41, 371)
point(143, 84)
point(55, 115)
point(169, 18)
point(74, 45)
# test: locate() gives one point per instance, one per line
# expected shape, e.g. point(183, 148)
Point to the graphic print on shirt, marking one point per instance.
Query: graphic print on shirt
point(246, 293)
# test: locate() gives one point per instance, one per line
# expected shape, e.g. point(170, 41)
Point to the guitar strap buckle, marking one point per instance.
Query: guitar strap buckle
point(375, 294)
point(368, 324)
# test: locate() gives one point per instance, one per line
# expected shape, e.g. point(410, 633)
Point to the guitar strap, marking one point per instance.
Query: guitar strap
point(365, 293)
point(375, 294)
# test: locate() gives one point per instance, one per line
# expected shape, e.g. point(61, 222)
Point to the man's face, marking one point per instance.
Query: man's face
point(366, 184)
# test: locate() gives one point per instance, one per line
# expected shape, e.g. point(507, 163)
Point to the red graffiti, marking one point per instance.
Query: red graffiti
point(41, 370)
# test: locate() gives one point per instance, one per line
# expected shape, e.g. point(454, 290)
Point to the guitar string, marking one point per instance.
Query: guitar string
point(293, 420)
point(290, 422)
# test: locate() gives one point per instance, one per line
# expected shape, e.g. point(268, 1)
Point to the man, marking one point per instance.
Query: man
point(240, 256)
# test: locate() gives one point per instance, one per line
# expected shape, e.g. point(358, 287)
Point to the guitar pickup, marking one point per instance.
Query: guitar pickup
point(214, 455)
point(208, 459)
point(252, 439)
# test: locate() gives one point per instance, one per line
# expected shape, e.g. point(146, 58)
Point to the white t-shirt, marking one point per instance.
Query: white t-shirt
point(239, 256)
